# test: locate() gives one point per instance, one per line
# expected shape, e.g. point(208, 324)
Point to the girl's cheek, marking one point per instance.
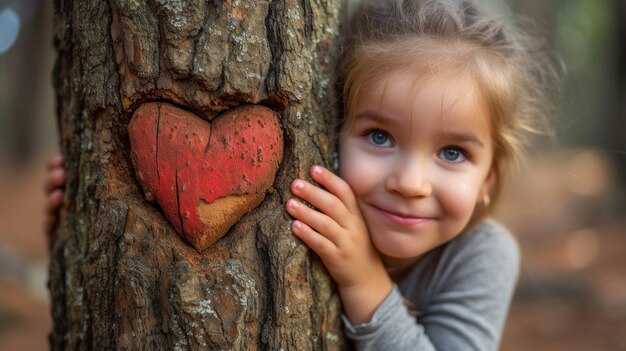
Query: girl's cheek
point(360, 171)
point(463, 186)
point(457, 193)
point(466, 188)
point(351, 168)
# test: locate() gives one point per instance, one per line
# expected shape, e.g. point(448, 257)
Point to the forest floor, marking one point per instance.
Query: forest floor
point(567, 212)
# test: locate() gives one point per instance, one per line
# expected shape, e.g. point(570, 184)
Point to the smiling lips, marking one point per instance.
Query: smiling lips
point(402, 219)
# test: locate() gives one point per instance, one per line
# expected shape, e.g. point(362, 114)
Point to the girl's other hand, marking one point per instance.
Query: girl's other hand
point(53, 188)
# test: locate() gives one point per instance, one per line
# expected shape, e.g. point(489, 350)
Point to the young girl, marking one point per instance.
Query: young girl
point(437, 99)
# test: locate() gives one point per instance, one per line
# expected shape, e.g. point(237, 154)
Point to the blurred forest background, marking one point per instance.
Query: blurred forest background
point(567, 208)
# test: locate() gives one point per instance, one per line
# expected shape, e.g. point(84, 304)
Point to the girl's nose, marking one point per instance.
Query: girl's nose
point(409, 179)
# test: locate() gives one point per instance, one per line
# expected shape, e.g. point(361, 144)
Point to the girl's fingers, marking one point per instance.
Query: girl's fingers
point(315, 241)
point(55, 179)
point(55, 161)
point(54, 201)
point(321, 199)
point(334, 184)
point(319, 222)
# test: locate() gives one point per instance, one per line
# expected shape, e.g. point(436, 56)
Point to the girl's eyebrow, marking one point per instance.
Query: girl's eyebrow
point(462, 137)
point(377, 117)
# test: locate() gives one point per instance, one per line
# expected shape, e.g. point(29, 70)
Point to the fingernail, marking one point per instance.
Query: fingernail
point(293, 203)
point(298, 184)
point(317, 170)
point(297, 224)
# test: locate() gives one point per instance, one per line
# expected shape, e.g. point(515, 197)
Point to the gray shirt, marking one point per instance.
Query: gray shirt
point(461, 293)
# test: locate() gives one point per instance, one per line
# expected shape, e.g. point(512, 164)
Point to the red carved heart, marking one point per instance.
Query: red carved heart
point(205, 176)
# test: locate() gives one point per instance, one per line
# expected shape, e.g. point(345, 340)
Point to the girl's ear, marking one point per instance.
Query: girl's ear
point(488, 185)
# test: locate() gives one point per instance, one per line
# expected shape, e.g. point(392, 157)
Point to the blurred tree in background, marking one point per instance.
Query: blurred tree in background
point(27, 125)
point(589, 35)
point(619, 118)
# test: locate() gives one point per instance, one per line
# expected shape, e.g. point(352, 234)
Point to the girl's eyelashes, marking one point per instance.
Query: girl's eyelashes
point(453, 154)
point(379, 138)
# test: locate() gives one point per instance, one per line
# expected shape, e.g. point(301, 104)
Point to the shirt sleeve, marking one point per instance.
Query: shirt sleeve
point(467, 302)
point(392, 328)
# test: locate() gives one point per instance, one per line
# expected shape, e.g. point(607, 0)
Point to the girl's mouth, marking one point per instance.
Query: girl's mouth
point(402, 219)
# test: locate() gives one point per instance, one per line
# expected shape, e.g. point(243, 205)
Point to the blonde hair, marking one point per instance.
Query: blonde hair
point(513, 72)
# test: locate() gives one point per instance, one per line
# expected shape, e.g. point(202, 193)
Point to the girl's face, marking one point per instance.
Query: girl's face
point(417, 160)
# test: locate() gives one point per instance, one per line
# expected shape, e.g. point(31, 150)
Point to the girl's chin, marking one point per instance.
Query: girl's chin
point(399, 253)
point(396, 245)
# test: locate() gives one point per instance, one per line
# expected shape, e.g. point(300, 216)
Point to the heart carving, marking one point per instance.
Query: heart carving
point(205, 176)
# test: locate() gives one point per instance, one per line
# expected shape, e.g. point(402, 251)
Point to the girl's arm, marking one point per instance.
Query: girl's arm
point(337, 233)
point(462, 292)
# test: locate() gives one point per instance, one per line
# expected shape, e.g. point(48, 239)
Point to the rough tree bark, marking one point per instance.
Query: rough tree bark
point(120, 276)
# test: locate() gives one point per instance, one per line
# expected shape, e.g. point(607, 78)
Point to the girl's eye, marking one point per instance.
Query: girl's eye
point(452, 154)
point(379, 138)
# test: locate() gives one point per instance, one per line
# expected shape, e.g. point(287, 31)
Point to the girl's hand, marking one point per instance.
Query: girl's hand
point(338, 234)
point(53, 187)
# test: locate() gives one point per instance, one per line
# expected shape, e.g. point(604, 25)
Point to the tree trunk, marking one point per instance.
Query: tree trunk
point(616, 126)
point(121, 277)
